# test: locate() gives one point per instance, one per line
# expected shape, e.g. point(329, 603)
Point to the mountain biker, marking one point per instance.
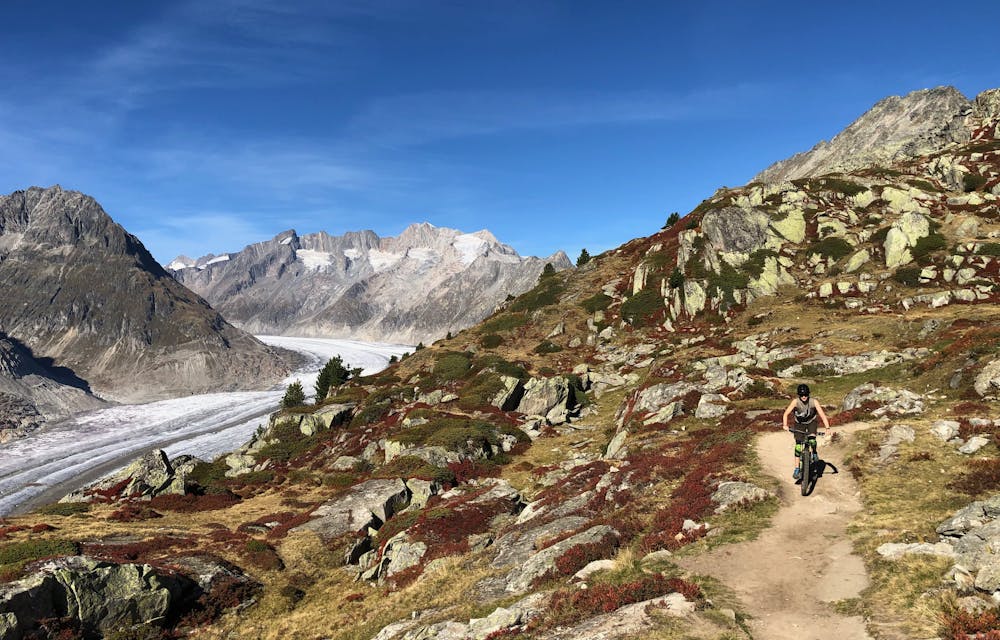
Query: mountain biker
point(806, 409)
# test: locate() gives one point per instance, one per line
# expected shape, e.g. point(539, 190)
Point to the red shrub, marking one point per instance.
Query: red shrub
point(466, 470)
point(605, 598)
point(191, 503)
point(981, 476)
point(42, 528)
point(225, 593)
point(354, 597)
point(580, 555)
point(963, 625)
point(282, 529)
point(144, 551)
point(134, 511)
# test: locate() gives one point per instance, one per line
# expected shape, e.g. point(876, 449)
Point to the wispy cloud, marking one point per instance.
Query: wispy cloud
point(427, 117)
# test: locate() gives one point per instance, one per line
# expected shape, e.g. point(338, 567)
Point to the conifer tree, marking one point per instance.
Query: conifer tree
point(584, 258)
point(294, 396)
point(333, 373)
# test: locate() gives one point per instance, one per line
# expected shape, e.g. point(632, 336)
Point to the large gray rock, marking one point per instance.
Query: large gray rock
point(630, 621)
point(656, 396)
point(521, 578)
point(731, 493)
point(548, 397)
point(103, 596)
point(894, 401)
point(148, 476)
point(988, 379)
point(368, 504)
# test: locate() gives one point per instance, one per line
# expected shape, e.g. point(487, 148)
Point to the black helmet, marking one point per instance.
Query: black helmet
point(802, 390)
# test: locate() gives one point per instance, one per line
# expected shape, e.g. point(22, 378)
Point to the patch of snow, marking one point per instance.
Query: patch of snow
point(469, 247)
point(223, 258)
point(353, 254)
point(177, 265)
point(287, 240)
point(314, 260)
point(423, 255)
point(382, 260)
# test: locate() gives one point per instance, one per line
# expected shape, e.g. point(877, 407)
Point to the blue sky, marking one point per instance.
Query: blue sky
point(208, 125)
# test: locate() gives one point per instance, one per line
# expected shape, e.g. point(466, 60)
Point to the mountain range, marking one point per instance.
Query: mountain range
point(415, 287)
point(602, 457)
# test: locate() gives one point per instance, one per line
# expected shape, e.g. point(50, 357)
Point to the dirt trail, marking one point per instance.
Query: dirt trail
point(787, 597)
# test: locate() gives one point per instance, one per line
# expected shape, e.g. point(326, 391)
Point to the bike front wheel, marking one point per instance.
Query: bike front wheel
point(805, 462)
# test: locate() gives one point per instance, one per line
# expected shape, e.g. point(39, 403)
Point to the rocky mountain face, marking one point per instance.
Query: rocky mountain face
point(81, 291)
point(412, 288)
point(31, 394)
point(896, 129)
point(550, 472)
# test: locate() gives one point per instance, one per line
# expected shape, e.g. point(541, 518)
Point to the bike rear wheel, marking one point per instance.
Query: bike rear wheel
point(805, 462)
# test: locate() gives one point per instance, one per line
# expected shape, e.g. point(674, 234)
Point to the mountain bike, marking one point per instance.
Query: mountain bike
point(807, 458)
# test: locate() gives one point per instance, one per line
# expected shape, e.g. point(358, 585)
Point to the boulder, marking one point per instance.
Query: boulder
point(544, 561)
point(903, 234)
point(695, 298)
point(148, 476)
point(895, 550)
point(333, 415)
point(631, 621)
point(659, 395)
point(856, 261)
point(735, 230)
point(896, 401)
point(988, 380)
point(368, 504)
point(105, 597)
point(547, 397)
point(945, 430)
point(974, 444)
point(712, 405)
point(510, 395)
point(730, 494)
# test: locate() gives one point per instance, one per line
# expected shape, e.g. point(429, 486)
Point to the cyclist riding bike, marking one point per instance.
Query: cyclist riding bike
point(806, 410)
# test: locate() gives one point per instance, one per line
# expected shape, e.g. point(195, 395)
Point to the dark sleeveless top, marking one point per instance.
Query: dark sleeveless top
point(804, 412)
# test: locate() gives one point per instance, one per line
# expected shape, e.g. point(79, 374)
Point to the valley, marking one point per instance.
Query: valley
point(49, 463)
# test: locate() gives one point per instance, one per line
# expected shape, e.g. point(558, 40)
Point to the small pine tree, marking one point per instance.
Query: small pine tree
point(549, 270)
point(333, 373)
point(584, 258)
point(393, 359)
point(448, 337)
point(676, 278)
point(420, 345)
point(294, 396)
point(672, 219)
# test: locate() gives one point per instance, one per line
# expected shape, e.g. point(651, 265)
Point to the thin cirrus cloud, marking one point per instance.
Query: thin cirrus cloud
point(421, 118)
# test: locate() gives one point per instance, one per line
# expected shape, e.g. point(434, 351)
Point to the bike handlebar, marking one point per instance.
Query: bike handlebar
point(804, 432)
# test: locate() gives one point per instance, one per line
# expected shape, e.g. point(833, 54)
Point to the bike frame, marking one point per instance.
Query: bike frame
point(806, 456)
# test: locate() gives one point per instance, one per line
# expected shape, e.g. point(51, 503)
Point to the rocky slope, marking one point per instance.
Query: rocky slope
point(895, 129)
point(32, 394)
point(81, 291)
point(538, 475)
point(413, 288)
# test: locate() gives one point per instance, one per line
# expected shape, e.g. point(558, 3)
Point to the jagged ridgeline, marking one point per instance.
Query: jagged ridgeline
point(362, 286)
point(599, 430)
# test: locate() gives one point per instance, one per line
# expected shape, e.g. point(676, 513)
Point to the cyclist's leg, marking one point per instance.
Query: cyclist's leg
point(799, 443)
point(813, 428)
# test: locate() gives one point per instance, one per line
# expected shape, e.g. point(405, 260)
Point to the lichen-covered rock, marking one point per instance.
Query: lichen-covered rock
point(988, 379)
point(104, 597)
point(712, 405)
point(730, 494)
point(895, 401)
point(540, 563)
point(904, 233)
point(150, 475)
point(895, 550)
point(368, 504)
point(945, 430)
point(549, 397)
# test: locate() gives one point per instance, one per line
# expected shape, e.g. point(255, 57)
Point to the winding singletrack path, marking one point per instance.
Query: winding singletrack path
point(790, 576)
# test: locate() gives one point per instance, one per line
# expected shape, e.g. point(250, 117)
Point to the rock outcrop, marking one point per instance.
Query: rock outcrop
point(360, 285)
point(896, 128)
point(81, 291)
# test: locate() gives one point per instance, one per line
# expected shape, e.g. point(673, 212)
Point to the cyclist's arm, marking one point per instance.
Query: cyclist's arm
point(788, 412)
point(822, 415)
